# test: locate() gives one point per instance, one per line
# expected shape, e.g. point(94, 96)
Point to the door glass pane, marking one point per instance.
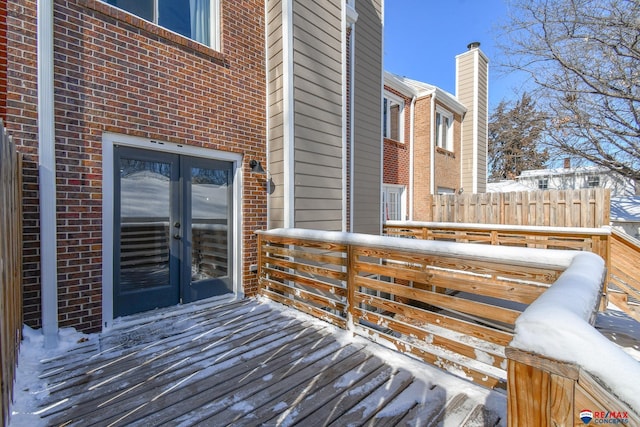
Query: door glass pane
point(144, 224)
point(210, 202)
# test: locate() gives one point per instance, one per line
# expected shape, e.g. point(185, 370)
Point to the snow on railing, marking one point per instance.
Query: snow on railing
point(554, 339)
point(409, 293)
point(450, 304)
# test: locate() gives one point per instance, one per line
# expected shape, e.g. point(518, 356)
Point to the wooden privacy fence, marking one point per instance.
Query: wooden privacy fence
point(10, 266)
point(453, 305)
point(555, 208)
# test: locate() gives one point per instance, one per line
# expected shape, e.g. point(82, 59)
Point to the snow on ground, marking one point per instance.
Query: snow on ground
point(29, 390)
point(621, 329)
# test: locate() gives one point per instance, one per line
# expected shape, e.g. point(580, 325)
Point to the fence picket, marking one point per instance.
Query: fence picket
point(587, 207)
point(10, 267)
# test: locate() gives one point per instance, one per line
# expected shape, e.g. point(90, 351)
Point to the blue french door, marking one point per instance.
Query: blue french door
point(173, 229)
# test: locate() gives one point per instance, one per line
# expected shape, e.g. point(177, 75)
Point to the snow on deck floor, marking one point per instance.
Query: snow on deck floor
point(248, 362)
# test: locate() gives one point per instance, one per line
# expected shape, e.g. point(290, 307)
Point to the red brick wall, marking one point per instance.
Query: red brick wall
point(117, 73)
point(3, 60)
point(397, 154)
point(421, 158)
point(447, 163)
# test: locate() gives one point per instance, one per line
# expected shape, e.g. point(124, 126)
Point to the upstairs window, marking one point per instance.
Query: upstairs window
point(543, 184)
point(444, 130)
point(593, 181)
point(393, 120)
point(194, 19)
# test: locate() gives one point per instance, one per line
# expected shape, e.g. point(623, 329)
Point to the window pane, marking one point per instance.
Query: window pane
point(174, 15)
point(395, 122)
point(438, 130)
point(141, 8)
point(189, 18)
point(385, 118)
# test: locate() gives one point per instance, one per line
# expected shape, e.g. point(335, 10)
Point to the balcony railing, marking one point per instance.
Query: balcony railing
point(453, 305)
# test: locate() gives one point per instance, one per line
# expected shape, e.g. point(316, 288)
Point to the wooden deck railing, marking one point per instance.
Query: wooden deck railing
point(450, 304)
point(624, 273)
point(560, 366)
point(620, 251)
point(10, 267)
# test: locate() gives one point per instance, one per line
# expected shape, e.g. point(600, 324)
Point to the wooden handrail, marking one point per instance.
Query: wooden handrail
point(624, 273)
point(619, 250)
point(551, 377)
point(453, 305)
point(426, 298)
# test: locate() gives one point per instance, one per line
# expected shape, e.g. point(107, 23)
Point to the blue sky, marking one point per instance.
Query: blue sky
point(423, 37)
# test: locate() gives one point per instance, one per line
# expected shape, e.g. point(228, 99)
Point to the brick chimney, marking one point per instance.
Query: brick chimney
point(567, 163)
point(472, 90)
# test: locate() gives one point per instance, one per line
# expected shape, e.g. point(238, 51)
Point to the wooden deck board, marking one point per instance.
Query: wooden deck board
point(239, 363)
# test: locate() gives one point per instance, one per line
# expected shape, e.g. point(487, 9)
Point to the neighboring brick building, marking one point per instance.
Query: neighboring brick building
point(154, 117)
point(425, 152)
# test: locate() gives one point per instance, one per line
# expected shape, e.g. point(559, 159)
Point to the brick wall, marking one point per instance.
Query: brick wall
point(447, 163)
point(3, 60)
point(421, 159)
point(117, 73)
point(397, 154)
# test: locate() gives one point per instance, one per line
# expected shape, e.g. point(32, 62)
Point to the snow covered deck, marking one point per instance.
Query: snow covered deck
point(249, 362)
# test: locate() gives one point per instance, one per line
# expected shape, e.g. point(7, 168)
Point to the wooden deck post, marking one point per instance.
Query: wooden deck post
point(260, 267)
point(540, 391)
point(351, 286)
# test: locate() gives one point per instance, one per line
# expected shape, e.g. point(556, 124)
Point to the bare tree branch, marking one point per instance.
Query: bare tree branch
point(584, 59)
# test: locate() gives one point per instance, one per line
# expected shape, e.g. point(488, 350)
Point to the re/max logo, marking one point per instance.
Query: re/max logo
point(612, 414)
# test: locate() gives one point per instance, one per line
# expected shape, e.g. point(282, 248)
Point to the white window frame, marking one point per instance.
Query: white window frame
point(214, 22)
point(446, 190)
point(448, 132)
point(401, 193)
point(593, 181)
point(386, 128)
point(543, 183)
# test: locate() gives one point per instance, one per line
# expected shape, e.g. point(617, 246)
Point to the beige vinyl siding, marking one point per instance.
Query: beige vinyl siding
point(482, 116)
point(275, 70)
point(317, 94)
point(367, 117)
point(472, 93)
point(465, 96)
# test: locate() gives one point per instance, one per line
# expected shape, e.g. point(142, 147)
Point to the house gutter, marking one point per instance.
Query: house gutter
point(412, 112)
point(47, 174)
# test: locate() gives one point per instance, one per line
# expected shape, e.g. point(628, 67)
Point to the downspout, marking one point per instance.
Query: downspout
point(432, 151)
point(412, 112)
point(47, 174)
point(350, 17)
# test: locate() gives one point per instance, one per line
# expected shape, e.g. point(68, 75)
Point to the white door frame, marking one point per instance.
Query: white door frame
point(109, 140)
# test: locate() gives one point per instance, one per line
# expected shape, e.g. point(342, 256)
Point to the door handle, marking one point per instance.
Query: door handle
point(177, 224)
point(177, 236)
